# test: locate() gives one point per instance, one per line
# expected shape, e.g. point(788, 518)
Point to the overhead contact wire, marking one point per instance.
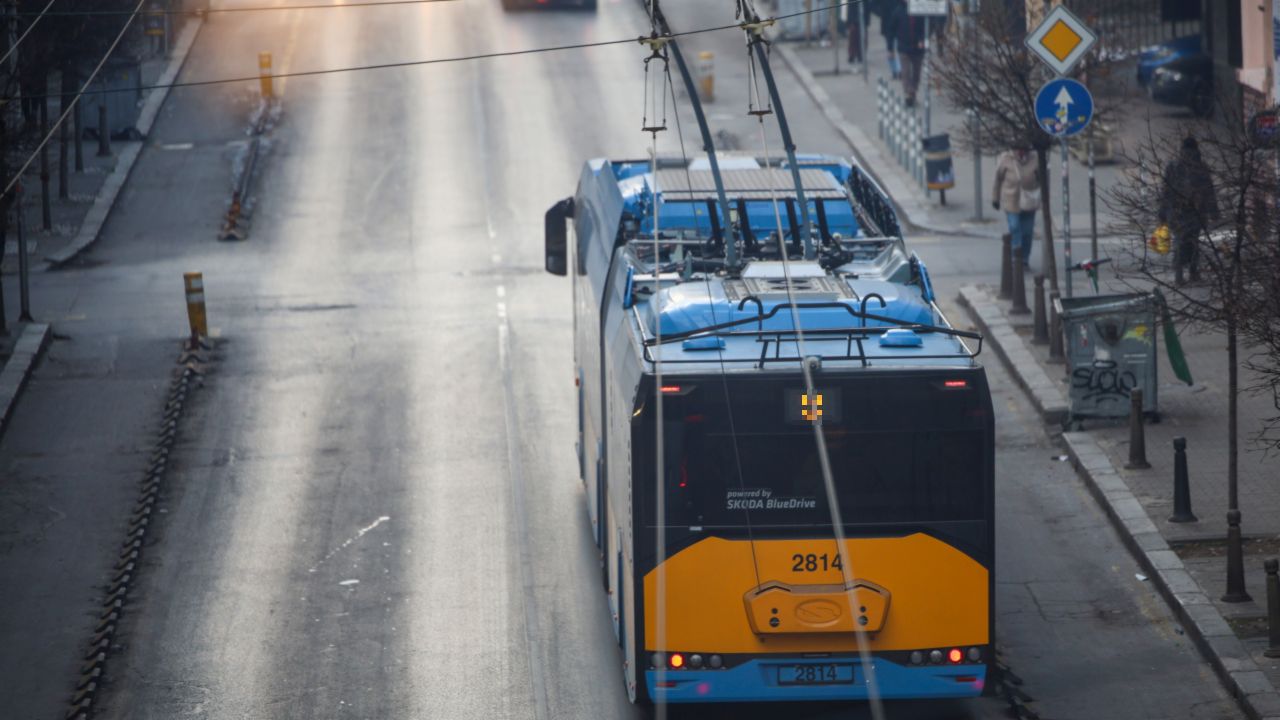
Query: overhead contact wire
point(824, 461)
point(26, 32)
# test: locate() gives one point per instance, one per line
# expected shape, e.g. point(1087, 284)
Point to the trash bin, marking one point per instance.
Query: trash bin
point(1110, 344)
point(938, 173)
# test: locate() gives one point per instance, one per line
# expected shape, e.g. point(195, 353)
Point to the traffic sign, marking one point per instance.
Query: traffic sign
point(926, 7)
point(1061, 40)
point(1064, 107)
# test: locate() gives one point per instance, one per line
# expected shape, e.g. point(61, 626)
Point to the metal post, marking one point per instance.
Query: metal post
point(1040, 322)
point(808, 23)
point(1066, 218)
point(1019, 306)
point(104, 132)
point(924, 77)
point(880, 109)
point(977, 166)
point(1181, 484)
point(1137, 438)
point(46, 206)
point(1055, 330)
point(1273, 608)
point(1093, 203)
point(866, 57)
point(1006, 267)
point(1235, 561)
point(24, 271)
point(77, 129)
point(833, 27)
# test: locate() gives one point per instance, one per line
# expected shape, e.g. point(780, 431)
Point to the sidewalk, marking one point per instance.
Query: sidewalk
point(1187, 560)
point(850, 102)
point(76, 220)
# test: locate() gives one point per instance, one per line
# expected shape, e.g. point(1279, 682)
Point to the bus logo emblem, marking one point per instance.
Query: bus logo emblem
point(811, 414)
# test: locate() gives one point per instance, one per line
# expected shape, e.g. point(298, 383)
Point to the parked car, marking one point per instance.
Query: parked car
point(1160, 55)
point(519, 4)
point(1187, 81)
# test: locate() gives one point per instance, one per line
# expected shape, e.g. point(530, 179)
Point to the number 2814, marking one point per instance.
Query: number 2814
point(812, 562)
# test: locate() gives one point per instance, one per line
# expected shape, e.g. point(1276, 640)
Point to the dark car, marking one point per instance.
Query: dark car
point(519, 4)
point(1187, 81)
point(1160, 55)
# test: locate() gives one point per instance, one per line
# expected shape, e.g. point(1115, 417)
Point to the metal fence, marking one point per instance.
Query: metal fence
point(901, 129)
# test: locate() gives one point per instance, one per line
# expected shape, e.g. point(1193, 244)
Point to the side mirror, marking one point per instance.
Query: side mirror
point(557, 219)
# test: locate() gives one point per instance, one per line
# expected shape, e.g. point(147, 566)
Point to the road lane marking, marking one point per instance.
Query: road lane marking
point(359, 534)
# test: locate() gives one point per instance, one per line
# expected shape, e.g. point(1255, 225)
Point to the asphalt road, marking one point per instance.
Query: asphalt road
point(373, 510)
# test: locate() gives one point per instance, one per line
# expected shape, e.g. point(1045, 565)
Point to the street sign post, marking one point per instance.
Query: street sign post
point(1064, 107)
point(1061, 40)
point(926, 7)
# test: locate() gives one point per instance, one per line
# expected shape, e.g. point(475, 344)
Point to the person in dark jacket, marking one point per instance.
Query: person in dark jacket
point(892, 14)
point(1188, 205)
point(911, 33)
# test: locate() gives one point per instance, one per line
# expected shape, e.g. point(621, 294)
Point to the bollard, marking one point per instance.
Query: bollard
point(104, 132)
point(1138, 440)
point(880, 86)
point(1006, 268)
point(194, 283)
point(1273, 609)
point(707, 76)
point(264, 75)
point(1019, 306)
point(1055, 330)
point(1040, 323)
point(1181, 484)
point(1235, 561)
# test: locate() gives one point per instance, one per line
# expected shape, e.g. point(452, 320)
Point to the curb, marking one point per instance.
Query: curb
point(1226, 654)
point(28, 349)
point(1045, 394)
point(102, 204)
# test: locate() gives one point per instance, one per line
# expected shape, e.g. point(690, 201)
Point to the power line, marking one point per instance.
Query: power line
point(71, 106)
point(26, 32)
point(448, 60)
point(372, 3)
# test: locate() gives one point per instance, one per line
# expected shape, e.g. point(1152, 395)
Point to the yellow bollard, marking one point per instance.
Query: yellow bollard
point(194, 283)
point(707, 76)
point(264, 74)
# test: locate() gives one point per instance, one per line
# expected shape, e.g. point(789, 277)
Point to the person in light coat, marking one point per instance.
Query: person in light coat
point(1017, 194)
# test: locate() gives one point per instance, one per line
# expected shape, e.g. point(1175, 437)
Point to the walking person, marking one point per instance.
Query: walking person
point(1188, 205)
point(1017, 194)
point(854, 28)
point(911, 33)
point(892, 14)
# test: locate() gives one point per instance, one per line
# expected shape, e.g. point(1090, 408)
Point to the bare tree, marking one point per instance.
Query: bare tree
point(989, 71)
point(1213, 184)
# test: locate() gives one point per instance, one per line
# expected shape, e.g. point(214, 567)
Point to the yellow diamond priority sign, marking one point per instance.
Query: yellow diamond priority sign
point(1061, 40)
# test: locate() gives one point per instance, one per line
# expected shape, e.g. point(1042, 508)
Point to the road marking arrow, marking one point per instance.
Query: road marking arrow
point(1063, 101)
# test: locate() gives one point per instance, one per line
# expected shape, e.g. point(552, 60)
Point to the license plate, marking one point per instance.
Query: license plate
point(815, 674)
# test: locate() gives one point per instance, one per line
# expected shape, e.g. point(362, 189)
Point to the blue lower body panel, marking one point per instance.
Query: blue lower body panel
point(758, 680)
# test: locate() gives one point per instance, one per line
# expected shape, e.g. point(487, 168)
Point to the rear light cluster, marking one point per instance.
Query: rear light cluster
point(947, 656)
point(682, 661)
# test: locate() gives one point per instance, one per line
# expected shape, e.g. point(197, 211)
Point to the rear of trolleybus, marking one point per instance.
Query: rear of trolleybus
point(757, 607)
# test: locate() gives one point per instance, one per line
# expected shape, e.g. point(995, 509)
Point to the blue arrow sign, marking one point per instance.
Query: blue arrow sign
point(1064, 107)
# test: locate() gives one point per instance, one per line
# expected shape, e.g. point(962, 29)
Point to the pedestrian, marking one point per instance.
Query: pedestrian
point(911, 34)
point(1188, 205)
point(854, 28)
point(1017, 193)
point(892, 14)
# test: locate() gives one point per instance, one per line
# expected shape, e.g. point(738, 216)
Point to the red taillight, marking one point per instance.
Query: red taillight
point(684, 472)
point(677, 661)
point(954, 655)
point(670, 389)
point(955, 384)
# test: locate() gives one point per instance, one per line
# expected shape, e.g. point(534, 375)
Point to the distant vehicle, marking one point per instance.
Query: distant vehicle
point(1160, 55)
point(1187, 81)
point(522, 4)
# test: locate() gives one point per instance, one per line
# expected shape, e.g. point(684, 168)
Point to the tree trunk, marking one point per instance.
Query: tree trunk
point(1233, 387)
point(68, 94)
point(1050, 263)
point(78, 127)
point(46, 206)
